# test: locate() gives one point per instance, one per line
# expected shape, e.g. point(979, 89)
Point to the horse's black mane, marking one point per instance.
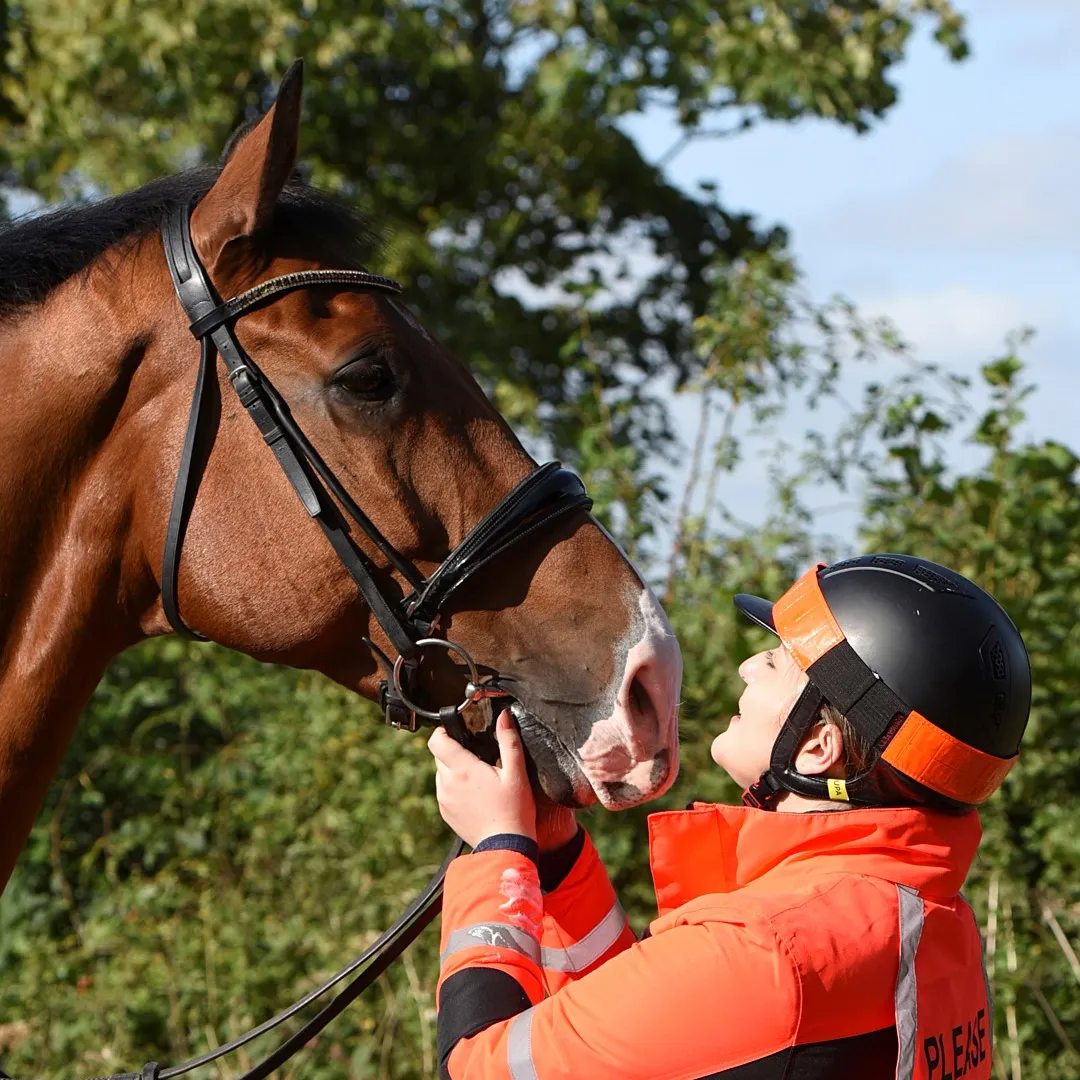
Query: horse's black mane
point(39, 252)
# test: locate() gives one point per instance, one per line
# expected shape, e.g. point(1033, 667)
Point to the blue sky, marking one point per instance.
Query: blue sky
point(958, 216)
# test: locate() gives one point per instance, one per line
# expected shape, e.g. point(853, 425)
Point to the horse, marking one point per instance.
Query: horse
point(97, 364)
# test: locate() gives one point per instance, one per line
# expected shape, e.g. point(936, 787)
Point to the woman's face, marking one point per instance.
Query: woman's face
point(773, 684)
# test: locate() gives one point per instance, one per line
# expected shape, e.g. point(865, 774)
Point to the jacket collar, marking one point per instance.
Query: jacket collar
point(712, 848)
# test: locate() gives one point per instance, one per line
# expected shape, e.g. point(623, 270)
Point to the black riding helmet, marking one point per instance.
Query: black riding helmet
point(926, 666)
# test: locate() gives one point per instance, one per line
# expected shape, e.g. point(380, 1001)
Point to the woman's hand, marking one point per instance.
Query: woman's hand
point(478, 800)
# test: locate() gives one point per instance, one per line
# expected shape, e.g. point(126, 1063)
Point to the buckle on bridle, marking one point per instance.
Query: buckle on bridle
point(397, 713)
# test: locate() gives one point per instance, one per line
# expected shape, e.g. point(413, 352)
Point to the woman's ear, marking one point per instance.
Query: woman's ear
point(822, 752)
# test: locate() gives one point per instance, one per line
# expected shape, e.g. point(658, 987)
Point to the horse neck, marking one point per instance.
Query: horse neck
point(65, 373)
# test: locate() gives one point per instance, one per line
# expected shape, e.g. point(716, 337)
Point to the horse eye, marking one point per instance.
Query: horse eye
point(367, 379)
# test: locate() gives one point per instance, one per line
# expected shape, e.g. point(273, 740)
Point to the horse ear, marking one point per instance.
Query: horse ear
point(256, 170)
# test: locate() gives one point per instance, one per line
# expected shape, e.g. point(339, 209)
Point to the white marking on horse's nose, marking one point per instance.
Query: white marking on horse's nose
point(637, 746)
point(649, 694)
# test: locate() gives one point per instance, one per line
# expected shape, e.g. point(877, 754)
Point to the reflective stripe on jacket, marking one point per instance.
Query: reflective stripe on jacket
point(801, 946)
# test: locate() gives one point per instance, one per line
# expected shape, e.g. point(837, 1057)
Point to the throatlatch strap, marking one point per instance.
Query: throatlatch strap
point(183, 498)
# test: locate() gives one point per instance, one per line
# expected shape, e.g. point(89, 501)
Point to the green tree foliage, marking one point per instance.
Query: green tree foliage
point(1012, 526)
point(484, 132)
point(222, 835)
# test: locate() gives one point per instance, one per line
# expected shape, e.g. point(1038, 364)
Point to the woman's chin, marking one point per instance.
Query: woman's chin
point(716, 751)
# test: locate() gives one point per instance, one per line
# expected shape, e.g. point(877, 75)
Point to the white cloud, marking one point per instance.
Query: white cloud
point(958, 324)
point(1011, 194)
point(962, 328)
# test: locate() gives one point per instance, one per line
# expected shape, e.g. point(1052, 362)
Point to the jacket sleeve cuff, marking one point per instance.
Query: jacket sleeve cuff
point(523, 845)
point(555, 865)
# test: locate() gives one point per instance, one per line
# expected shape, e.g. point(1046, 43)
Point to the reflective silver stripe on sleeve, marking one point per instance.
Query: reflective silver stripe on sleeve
point(911, 925)
point(497, 935)
point(519, 1047)
point(590, 948)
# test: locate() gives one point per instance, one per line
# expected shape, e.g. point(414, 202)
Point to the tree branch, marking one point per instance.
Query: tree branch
point(688, 493)
point(686, 139)
point(1062, 940)
point(57, 861)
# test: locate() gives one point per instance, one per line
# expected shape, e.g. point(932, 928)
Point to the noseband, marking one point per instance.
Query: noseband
point(409, 622)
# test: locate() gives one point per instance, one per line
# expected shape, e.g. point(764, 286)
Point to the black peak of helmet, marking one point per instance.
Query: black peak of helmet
point(756, 610)
point(943, 645)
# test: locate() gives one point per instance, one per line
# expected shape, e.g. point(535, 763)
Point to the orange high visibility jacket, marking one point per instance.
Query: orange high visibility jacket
point(795, 946)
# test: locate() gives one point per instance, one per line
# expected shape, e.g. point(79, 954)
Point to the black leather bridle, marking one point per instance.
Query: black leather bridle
point(551, 492)
point(548, 494)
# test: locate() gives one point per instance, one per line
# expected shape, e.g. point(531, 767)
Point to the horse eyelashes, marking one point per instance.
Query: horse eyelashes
point(370, 380)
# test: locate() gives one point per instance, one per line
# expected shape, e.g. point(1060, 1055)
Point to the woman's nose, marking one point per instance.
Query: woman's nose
point(749, 666)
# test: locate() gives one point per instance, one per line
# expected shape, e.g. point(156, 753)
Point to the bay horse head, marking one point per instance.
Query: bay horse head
point(97, 365)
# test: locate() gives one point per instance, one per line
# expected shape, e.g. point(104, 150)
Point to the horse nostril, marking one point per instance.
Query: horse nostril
point(644, 716)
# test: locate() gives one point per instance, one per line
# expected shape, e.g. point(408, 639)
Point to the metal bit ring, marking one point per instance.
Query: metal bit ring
point(473, 689)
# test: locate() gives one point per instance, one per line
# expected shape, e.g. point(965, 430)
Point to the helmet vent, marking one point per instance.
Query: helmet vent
point(997, 661)
point(889, 564)
point(935, 581)
point(999, 708)
point(846, 563)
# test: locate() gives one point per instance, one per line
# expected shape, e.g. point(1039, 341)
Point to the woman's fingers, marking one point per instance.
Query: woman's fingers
point(451, 753)
point(476, 800)
point(448, 750)
point(454, 761)
point(511, 751)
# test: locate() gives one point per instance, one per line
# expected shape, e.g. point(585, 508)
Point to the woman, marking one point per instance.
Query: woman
point(791, 942)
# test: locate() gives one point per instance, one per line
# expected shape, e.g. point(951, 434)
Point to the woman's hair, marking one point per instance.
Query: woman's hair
point(886, 787)
point(858, 753)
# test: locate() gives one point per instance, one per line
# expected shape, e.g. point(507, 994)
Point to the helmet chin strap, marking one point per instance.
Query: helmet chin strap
point(781, 775)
